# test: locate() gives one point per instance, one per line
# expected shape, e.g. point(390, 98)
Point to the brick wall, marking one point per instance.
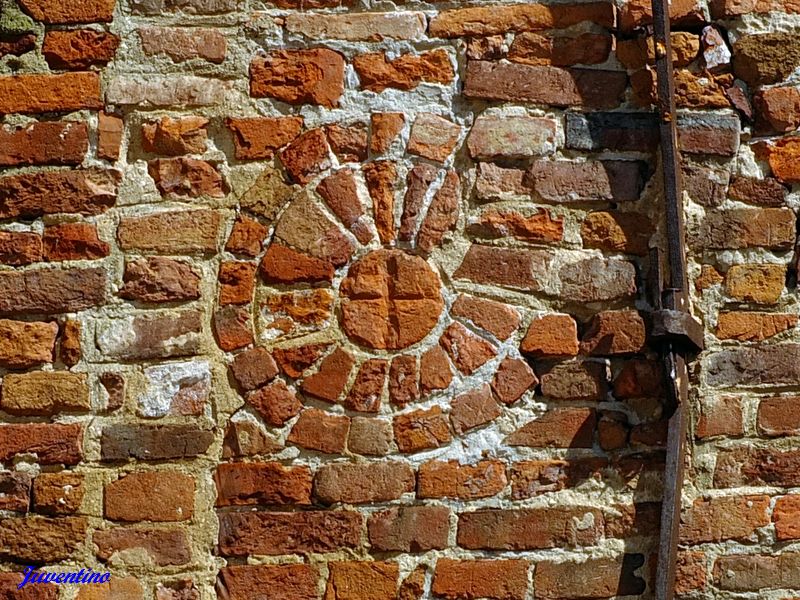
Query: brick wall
point(339, 300)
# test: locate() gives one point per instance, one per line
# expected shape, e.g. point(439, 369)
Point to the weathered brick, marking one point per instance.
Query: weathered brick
point(285, 582)
point(409, 529)
point(150, 335)
point(489, 20)
point(724, 518)
point(157, 279)
point(17, 44)
point(349, 580)
point(498, 319)
point(79, 48)
point(709, 134)
point(499, 223)
point(299, 77)
point(720, 416)
point(36, 93)
point(276, 533)
point(73, 241)
point(37, 540)
point(262, 137)
point(160, 547)
point(757, 572)
point(367, 389)
point(753, 326)
point(241, 484)
point(593, 578)
point(529, 529)
point(473, 579)
point(551, 335)
point(433, 137)
point(58, 493)
point(385, 129)
point(575, 381)
point(745, 466)
point(348, 142)
point(467, 351)
point(50, 443)
point(41, 393)
point(783, 160)
point(473, 409)
point(449, 479)
point(770, 365)
point(153, 442)
point(371, 437)
point(758, 283)
point(506, 267)
point(160, 496)
point(53, 12)
point(26, 344)
point(559, 428)
point(613, 131)
point(128, 588)
point(9, 586)
point(370, 27)
point(785, 517)
point(15, 493)
point(318, 430)
point(596, 279)
point(555, 86)
point(178, 232)
point(779, 416)
point(616, 231)
point(51, 290)
point(246, 237)
point(181, 44)
point(442, 214)
point(610, 180)
point(173, 137)
point(511, 137)
point(772, 228)
point(405, 72)
point(435, 372)
point(765, 58)
point(110, 130)
point(45, 143)
point(762, 192)
point(166, 91)
point(19, 248)
point(514, 377)
point(329, 382)
point(560, 51)
point(184, 178)
point(614, 332)
point(778, 109)
point(359, 483)
point(421, 430)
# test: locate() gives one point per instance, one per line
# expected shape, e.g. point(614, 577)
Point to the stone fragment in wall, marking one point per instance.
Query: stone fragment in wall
point(512, 137)
point(368, 27)
point(433, 137)
point(766, 58)
point(175, 136)
point(259, 138)
point(26, 344)
point(149, 336)
point(182, 45)
point(348, 143)
point(617, 231)
point(385, 129)
point(716, 54)
point(406, 72)
point(311, 76)
point(166, 91)
point(175, 389)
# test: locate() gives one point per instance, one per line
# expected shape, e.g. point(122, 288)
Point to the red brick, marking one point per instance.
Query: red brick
point(746, 228)
point(779, 416)
point(284, 265)
point(50, 93)
point(720, 416)
point(236, 282)
point(79, 48)
point(779, 109)
point(54, 12)
point(51, 443)
point(162, 547)
point(489, 20)
point(724, 518)
point(506, 267)
point(232, 328)
point(538, 227)
point(487, 80)
point(551, 336)
point(616, 231)
point(340, 194)
point(242, 484)
point(38, 540)
point(253, 368)
point(442, 214)
point(403, 386)
point(15, 493)
point(321, 431)
point(638, 13)
point(614, 332)
point(26, 344)
point(474, 579)
point(261, 138)
point(435, 372)
point(45, 143)
point(783, 160)
point(690, 572)
point(575, 381)
point(385, 129)
point(371, 437)
point(349, 143)
point(9, 588)
point(246, 237)
point(750, 466)
point(329, 382)
point(405, 72)
point(473, 409)
point(153, 442)
point(31, 195)
point(559, 428)
point(609, 180)
point(371, 27)
point(175, 136)
point(184, 44)
point(294, 361)
point(73, 241)
point(381, 178)
point(354, 483)
point(367, 389)
point(20, 248)
point(530, 529)
point(285, 582)
point(51, 290)
point(110, 130)
point(70, 351)
point(757, 572)
point(590, 579)
point(498, 319)
point(275, 403)
point(42, 393)
point(409, 529)
point(421, 430)
point(641, 519)
point(350, 580)
point(468, 351)
point(173, 232)
point(187, 178)
point(418, 181)
point(433, 137)
point(758, 191)
point(560, 51)
point(511, 137)
point(786, 517)
point(299, 77)
point(161, 496)
point(277, 533)
point(58, 493)
point(158, 279)
point(438, 479)
point(514, 377)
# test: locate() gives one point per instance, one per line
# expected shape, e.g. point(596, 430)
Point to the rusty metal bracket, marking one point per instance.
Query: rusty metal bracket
point(678, 327)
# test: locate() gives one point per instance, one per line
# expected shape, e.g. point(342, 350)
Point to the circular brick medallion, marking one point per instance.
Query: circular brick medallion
point(390, 300)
